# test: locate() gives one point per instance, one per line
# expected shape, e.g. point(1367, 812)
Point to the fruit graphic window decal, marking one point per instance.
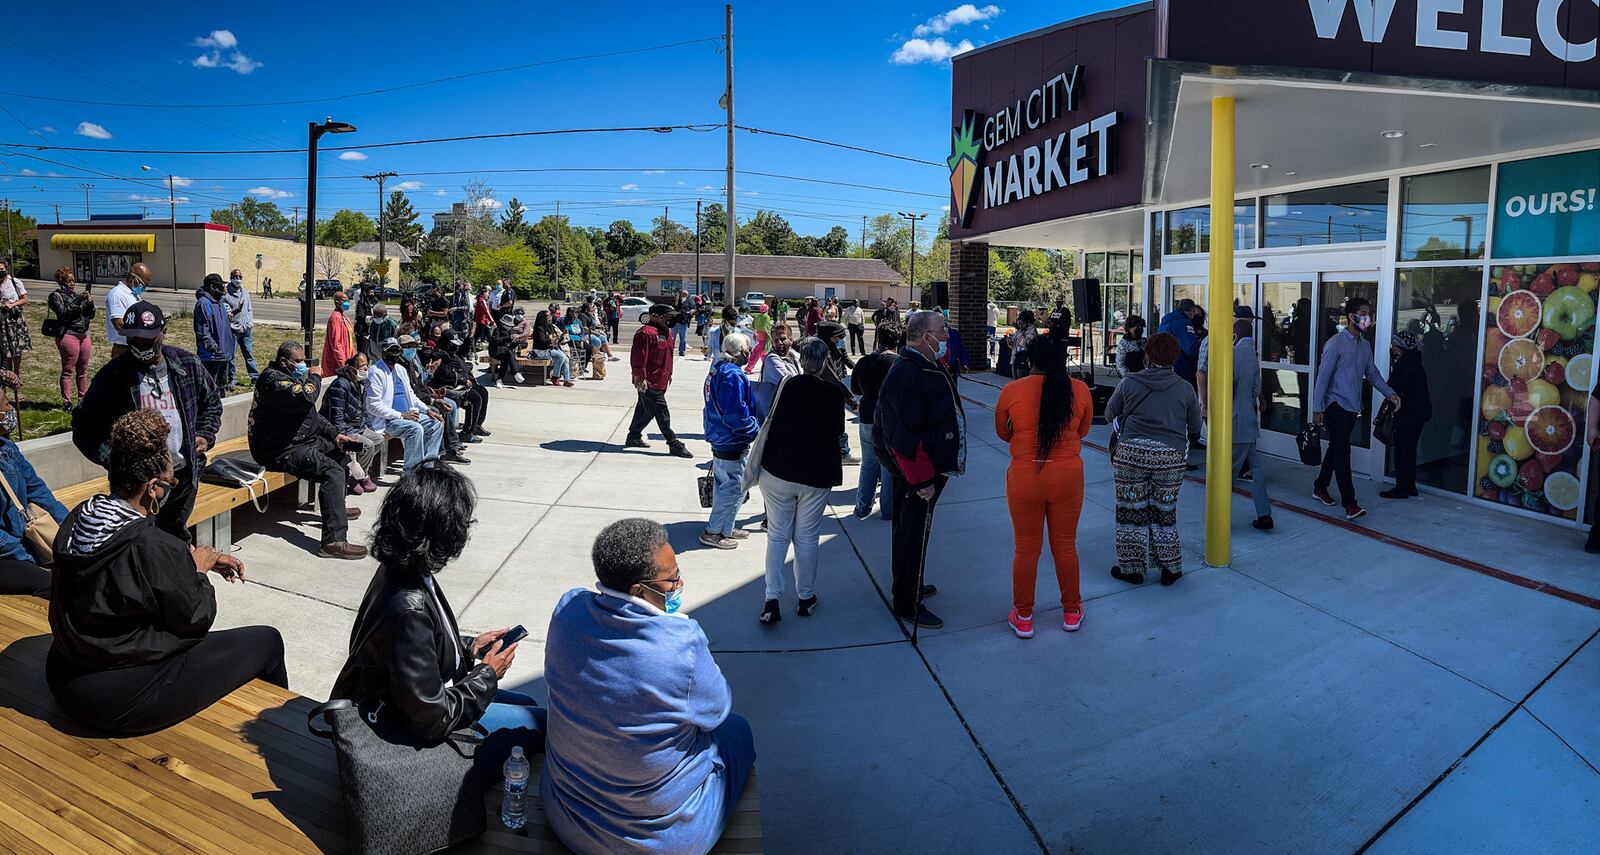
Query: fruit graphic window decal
point(1537, 374)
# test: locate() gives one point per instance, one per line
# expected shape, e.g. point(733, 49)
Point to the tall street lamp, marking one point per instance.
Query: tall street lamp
point(172, 219)
point(913, 274)
point(308, 299)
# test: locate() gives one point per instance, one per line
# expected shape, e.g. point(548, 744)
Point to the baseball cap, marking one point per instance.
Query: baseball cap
point(143, 319)
point(390, 343)
point(406, 340)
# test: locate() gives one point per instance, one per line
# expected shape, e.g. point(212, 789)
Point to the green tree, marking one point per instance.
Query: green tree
point(515, 263)
point(346, 229)
point(253, 216)
point(623, 241)
point(1000, 278)
point(1030, 277)
point(511, 222)
point(834, 244)
point(23, 251)
point(400, 221)
point(671, 236)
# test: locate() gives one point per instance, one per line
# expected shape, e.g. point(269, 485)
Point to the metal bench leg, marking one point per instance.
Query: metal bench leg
point(222, 532)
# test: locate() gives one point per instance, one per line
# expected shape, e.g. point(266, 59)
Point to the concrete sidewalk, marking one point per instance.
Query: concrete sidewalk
point(1329, 691)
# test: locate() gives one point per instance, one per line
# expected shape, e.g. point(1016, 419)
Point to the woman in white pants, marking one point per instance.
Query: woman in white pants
point(800, 466)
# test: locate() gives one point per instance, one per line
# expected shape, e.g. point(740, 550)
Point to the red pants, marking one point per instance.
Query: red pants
point(75, 351)
point(1034, 495)
point(757, 353)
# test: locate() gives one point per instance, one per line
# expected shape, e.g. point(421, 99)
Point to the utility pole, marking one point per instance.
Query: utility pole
point(863, 235)
point(730, 291)
point(11, 249)
point(913, 275)
point(57, 206)
point(86, 189)
point(664, 221)
point(556, 279)
point(380, 179)
point(697, 246)
point(296, 210)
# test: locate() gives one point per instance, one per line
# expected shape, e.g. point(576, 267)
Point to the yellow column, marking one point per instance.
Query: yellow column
point(1219, 368)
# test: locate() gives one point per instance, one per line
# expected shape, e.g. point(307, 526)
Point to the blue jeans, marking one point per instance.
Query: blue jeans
point(727, 494)
point(681, 333)
point(1243, 451)
point(873, 478)
point(421, 439)
point(560, 365)
point(736, 745)
point(241, 340)
point(512, 719)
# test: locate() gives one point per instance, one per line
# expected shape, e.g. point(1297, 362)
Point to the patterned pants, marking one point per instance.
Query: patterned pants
point(1148, 475)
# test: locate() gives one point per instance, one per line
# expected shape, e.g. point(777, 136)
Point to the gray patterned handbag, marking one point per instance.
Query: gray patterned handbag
point(402, 798)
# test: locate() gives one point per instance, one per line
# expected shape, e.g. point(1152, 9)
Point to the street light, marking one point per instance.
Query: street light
point(172, 234)
point(308, 300)
point(913, 218)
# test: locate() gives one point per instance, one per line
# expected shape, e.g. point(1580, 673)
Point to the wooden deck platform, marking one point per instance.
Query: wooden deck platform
point(243, 776)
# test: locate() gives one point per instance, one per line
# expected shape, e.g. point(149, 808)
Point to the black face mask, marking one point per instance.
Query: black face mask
point(392, 358)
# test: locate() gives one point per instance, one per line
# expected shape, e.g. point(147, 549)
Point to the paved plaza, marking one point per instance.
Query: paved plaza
point(1332, 690)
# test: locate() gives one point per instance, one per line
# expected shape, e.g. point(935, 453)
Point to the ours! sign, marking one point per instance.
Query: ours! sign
point(1070, 157)
point(1548, 207)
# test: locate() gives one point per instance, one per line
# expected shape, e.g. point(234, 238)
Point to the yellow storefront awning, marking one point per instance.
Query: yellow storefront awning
point(104, 243)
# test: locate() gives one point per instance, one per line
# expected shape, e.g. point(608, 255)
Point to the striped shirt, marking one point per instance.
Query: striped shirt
point(102, 517)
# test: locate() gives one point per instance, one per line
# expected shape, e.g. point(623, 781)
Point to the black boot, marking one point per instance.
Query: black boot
point(1128, 576)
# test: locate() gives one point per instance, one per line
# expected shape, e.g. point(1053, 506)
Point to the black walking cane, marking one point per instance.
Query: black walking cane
point(922, 566)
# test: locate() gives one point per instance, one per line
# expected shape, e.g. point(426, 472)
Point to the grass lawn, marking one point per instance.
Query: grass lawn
point(43, 413)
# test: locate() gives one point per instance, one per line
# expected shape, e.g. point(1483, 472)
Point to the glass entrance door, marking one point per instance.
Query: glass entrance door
point(1286, 357)
point(1335, 290)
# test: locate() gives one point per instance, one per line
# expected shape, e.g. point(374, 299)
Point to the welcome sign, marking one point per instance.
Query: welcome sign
point(1548, 207)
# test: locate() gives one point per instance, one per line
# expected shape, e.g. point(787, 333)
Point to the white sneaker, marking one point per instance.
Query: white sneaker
point(519, 378)
point(500, 384)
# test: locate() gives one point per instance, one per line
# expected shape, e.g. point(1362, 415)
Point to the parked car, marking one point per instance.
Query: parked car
point(753, 301)
point(328, 287)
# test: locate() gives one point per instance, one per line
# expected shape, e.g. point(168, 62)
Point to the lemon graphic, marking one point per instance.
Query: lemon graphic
point(1561, 491)
point(1580, 372)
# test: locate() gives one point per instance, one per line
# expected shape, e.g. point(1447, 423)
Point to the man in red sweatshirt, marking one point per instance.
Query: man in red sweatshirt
point(651, 358)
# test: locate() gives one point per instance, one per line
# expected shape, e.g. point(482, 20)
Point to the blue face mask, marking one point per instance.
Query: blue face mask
point(409, 353)
point(137, 287)
point(344, 306)
point(673, 601)
point(941, 349)
point(301, 369)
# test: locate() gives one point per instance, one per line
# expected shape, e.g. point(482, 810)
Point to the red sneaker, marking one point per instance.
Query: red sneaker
point(1070, 621)
point(1323, 496)
point(1022, 626)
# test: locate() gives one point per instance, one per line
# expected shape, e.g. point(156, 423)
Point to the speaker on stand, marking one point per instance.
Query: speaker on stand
point(1087, 308)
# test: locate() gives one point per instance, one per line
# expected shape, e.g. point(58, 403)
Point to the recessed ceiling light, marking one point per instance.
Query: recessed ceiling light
point(1393, 135)
point(1260, 166)
point(1428, 145)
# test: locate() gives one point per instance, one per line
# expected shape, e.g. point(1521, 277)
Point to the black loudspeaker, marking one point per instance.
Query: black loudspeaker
point(940, 295)
point(1086, 306)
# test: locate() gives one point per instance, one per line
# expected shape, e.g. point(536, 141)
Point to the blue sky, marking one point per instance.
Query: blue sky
point(867, 74)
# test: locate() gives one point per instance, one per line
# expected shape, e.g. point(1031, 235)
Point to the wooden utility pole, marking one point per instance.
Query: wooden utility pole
point(86, 189)
point(57, 206)
point(697, 246)
point(863, 235)
point(11, 250)
point(296, 210)
point(730, 288)
point(380, 177)
point(555, 278)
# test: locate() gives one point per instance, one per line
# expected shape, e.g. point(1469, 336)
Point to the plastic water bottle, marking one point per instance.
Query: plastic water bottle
point(513, 804)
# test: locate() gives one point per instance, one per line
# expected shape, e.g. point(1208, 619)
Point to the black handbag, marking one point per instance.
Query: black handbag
point(402, 798)
point(51, 328)
point(1383, 423)
point(1310, 442)
point(239, 473)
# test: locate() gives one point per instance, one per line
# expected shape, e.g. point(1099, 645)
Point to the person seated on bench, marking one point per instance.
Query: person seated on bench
point(547, 345)
point(287, 434)
point(449, 376)
point(521, 331)
point(345, 406)
point(503, 350)
point(451, 448)
point(410, 672)
point(19, 573)
point(643, 752)
point(153, 375)
point(394, 409)
point(130, 604)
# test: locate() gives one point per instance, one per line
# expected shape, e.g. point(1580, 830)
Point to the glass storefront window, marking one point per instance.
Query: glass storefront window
point(1286, 355)
point(1334, 294)
point(1156, 238)
point(1349, 214)
point(1138, 267)
point(1445, 216)
point(1439, 305)
point(1118, 269)
point(1094, 266)
point(1189, 230)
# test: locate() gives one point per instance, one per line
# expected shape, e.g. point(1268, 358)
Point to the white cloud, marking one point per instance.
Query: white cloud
point(217, 43)
point(489, 204)
point(268, 193)
point(922, 50)
point(180, 181)
point(48, 129)
point(630, 186)
point(684, 184)
point(135, 197)
point(26, 171)
point(962, 15)
point(628, 201)
point(92, 131)
point(351, 155)
point(446, 193)
point(709, 187)
point(411, 185)
point(654, 172)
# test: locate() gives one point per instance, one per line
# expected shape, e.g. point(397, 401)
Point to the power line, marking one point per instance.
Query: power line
point(660, 129)
point(368, 92)
point(846, 146)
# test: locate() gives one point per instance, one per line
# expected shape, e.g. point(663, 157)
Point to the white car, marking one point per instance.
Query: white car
point(638, 303)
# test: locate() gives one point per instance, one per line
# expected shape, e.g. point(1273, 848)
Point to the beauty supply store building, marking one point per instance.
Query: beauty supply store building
point(1439, 157)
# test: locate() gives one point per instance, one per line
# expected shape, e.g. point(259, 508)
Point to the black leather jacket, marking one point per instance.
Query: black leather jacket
point(402, 673)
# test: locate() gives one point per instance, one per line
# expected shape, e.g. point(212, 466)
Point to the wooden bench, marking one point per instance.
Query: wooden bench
point(534, 371)
point(212, 517)
point(242, 776)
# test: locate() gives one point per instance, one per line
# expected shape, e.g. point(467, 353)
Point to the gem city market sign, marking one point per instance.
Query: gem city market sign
point(1072, 156)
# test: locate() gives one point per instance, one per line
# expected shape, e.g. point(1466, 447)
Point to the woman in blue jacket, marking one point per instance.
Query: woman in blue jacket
point(730, 424)
point(18, 572)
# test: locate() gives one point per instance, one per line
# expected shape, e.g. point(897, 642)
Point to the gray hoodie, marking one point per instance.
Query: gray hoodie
point(1158, 405)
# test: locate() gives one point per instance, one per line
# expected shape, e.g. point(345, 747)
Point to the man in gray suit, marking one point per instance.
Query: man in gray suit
point(1246, 410)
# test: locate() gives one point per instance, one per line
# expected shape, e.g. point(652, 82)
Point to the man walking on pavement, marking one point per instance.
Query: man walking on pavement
point(920, 431)
point(242, 319)
point(1246, 410)
point(651, 358)
point(1336, 404)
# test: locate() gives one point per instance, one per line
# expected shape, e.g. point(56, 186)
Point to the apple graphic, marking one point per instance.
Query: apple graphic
point(1569, 311)
point(1542, 393)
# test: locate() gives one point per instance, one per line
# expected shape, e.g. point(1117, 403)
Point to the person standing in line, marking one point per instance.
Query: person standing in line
point(1246, 406)
point(495, 296)
point(729, 326)
point(681, 314)
point(779, 363)
point(920, 431)
point(855, 320)
point(991, 325)
point(14, 337)
point(730, 426)
point(866, 382)
point(651, 360)
point(839, 366)
point(338, 343)
point(1156, 412)
point(1336, 403)
point(73, 311)
point(241, 317)
point(1044, 418)
point(119, 299)
point(1409, 380)
point(614, 316)
point(1181, 323)
point(1130, 348)
point(812, 317)
point(152, 375)
point(213, 332)
point(482, 321)
point(761, 326)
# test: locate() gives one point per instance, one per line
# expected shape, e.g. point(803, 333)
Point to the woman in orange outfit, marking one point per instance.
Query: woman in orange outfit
point(1044, 417)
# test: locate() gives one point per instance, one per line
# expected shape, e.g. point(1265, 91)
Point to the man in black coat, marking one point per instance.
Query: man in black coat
point(920, 435)
point(287, 434)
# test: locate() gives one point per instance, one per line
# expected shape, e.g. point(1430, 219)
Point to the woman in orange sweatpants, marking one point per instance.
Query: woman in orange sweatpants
point(1044, 418)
